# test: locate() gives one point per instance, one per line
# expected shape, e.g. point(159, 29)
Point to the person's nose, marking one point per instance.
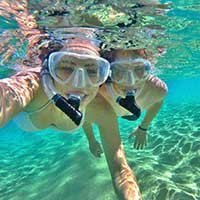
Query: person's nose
point(79, 78)
point(130, 78)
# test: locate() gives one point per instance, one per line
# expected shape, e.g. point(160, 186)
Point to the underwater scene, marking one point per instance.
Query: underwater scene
point(49, 165)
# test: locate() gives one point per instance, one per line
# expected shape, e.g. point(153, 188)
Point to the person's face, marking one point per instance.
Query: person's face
point(128, 75)
point(79, 76)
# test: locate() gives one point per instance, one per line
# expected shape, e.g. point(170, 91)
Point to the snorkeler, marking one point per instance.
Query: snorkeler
point(62, 77)
point(130, 89)
point(69, 78)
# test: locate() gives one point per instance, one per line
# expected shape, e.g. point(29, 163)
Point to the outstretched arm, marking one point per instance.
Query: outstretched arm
point(122, 176)
point(141, 131)
point(124, 182)
point(16, 92)
point(151, 98)
point(151, 112)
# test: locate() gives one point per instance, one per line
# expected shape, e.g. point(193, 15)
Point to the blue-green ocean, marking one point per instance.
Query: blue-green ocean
point(50, 165)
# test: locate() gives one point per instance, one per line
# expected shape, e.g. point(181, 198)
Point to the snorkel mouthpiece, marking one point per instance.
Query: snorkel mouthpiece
point(74, 101)
point(69, 107)
point(129, 104)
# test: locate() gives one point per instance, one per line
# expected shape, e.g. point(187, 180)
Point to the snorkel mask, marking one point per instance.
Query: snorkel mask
point(79, 70)
point(127, 72)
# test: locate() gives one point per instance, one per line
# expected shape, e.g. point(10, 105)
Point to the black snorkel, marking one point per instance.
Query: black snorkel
point(129, 104)
point(70, 106)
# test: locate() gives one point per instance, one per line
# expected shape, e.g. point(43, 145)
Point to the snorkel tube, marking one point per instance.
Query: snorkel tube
point(69, 106)
point(127, 103)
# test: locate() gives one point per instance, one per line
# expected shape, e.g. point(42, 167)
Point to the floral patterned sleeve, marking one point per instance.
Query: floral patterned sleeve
point(16, 92)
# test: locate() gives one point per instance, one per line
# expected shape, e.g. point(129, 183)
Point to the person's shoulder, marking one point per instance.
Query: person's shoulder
point(155, 83)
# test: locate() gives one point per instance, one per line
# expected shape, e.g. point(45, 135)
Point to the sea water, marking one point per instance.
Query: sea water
point(49, 165)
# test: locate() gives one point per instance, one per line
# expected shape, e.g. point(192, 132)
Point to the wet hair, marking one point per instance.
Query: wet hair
point(115, 54)
point(49, 47)
point(82, 45)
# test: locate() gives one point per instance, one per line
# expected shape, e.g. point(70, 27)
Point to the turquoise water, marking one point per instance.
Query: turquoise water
point(50, 165)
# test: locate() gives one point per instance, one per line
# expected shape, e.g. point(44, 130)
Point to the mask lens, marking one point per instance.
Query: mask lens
point(139, 71)
point(64, 68)
point(91, 67)
point(103, 70)
point(118, 72)
point(61, 66)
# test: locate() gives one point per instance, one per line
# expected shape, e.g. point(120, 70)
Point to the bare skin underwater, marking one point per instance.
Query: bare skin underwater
point(23, 92)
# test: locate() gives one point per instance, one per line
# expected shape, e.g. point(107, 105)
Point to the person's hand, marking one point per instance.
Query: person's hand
point(95, 148)
point(140, 138)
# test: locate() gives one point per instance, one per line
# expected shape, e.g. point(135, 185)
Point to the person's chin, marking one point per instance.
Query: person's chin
point(83, 105)
point(123, 95)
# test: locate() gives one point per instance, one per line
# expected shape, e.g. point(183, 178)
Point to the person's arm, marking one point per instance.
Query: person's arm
point(141, 131)
point(151, 99)
point(89, 132)
point(16, 92)
point(151, 112)
point(124, 181)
